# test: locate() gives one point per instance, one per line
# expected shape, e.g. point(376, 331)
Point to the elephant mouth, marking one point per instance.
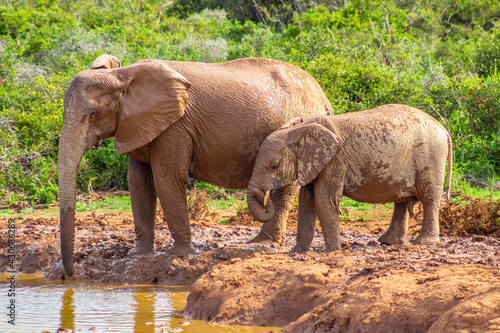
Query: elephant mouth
point(263, 196)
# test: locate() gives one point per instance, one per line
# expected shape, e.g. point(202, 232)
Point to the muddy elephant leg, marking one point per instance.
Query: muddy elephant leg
point(327, 201)
point(172, 194)
point(396, 232)
point(143, 200)
point(429, 234)
point(175, 208)
point(306, 219)
point(275, 229)
point(171, 173)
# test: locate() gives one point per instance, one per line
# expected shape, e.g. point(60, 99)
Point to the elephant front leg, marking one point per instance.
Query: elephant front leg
point(143, 200)
point(396, 232)
point(327, 202)
point(172, 194)
point(275, 229)
point(306, 219)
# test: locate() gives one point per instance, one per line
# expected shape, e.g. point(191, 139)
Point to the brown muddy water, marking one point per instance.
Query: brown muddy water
point(45, 306)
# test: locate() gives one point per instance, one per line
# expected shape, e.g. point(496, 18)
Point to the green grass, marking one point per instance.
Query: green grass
point(45, 209)
point(362, 206)
point(344, 217)
point(122, 203)
point(118, 203)
point(478, 192)
point(224, 221)
point(364, 216)
point(11, 212)
point(8, 212)
point(230, 203)
point(355, 205)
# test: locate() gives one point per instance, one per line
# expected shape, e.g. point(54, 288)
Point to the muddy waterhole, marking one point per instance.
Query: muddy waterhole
point(87, 306)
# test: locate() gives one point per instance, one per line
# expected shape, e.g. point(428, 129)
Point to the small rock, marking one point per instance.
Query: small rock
point(176, 329)
point(164, 326)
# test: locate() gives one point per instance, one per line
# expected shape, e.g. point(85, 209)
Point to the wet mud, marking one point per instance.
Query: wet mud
point(366, 287)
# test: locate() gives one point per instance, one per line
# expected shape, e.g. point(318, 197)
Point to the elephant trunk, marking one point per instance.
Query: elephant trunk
point(260, 205)
point(70, 155)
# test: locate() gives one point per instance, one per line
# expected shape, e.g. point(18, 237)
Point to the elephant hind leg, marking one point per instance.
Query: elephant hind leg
point(396, 232)
point(275, 229)
point(429, 234)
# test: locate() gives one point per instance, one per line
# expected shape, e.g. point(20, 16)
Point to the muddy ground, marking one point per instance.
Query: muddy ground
point(367, 287)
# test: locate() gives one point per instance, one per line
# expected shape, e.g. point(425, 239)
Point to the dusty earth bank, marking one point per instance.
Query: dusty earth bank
point(366, 287)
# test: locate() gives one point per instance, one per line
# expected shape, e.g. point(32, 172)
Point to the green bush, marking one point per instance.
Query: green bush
point(439, 56)
point(487, 58)
point(102, 169)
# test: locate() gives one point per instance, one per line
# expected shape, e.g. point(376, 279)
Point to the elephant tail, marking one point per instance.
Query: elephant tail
point(450, 168)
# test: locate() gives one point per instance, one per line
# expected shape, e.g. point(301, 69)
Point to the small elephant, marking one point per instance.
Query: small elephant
point(177, 120)
point(392, 153)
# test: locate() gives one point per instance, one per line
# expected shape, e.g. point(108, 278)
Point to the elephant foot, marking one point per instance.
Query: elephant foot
point(390, 239)
point(333, 247)
point(56, 272)
point(423, 239)
point(299, 249)
point(141, 251)
point(182, 249)
point(263, 237)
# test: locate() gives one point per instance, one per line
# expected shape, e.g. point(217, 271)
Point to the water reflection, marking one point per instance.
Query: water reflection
point(68, 310)
point(144, 314)
point(87, 306)
point(43, 305)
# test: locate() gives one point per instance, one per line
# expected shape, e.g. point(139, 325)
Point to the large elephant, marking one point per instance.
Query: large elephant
point(392, 153)
point(178, 120)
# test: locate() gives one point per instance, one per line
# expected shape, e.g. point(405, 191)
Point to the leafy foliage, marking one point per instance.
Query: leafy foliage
point(439, 56)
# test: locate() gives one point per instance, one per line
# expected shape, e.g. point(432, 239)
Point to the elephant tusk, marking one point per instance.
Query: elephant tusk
point(266, 197)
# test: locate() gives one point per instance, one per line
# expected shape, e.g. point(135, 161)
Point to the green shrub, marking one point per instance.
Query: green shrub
point(487, 58)
point(439, 56)
point(102, 169)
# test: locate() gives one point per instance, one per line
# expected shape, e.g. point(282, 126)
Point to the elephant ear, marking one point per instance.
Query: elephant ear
point(154, 97)
point(106, 61)
point(316, 147)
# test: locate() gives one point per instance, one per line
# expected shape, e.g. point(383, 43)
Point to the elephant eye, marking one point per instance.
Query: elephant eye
point(274, 165)
point(93, 115)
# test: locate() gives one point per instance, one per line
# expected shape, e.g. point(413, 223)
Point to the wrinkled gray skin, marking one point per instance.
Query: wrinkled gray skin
point(177, 120)
point(392, 153)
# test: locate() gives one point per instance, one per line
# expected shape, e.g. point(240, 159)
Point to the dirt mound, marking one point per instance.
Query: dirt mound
point(263, 290)
point(448, 299)
point(474, 314)
point(365, 288)
point(470, 216)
